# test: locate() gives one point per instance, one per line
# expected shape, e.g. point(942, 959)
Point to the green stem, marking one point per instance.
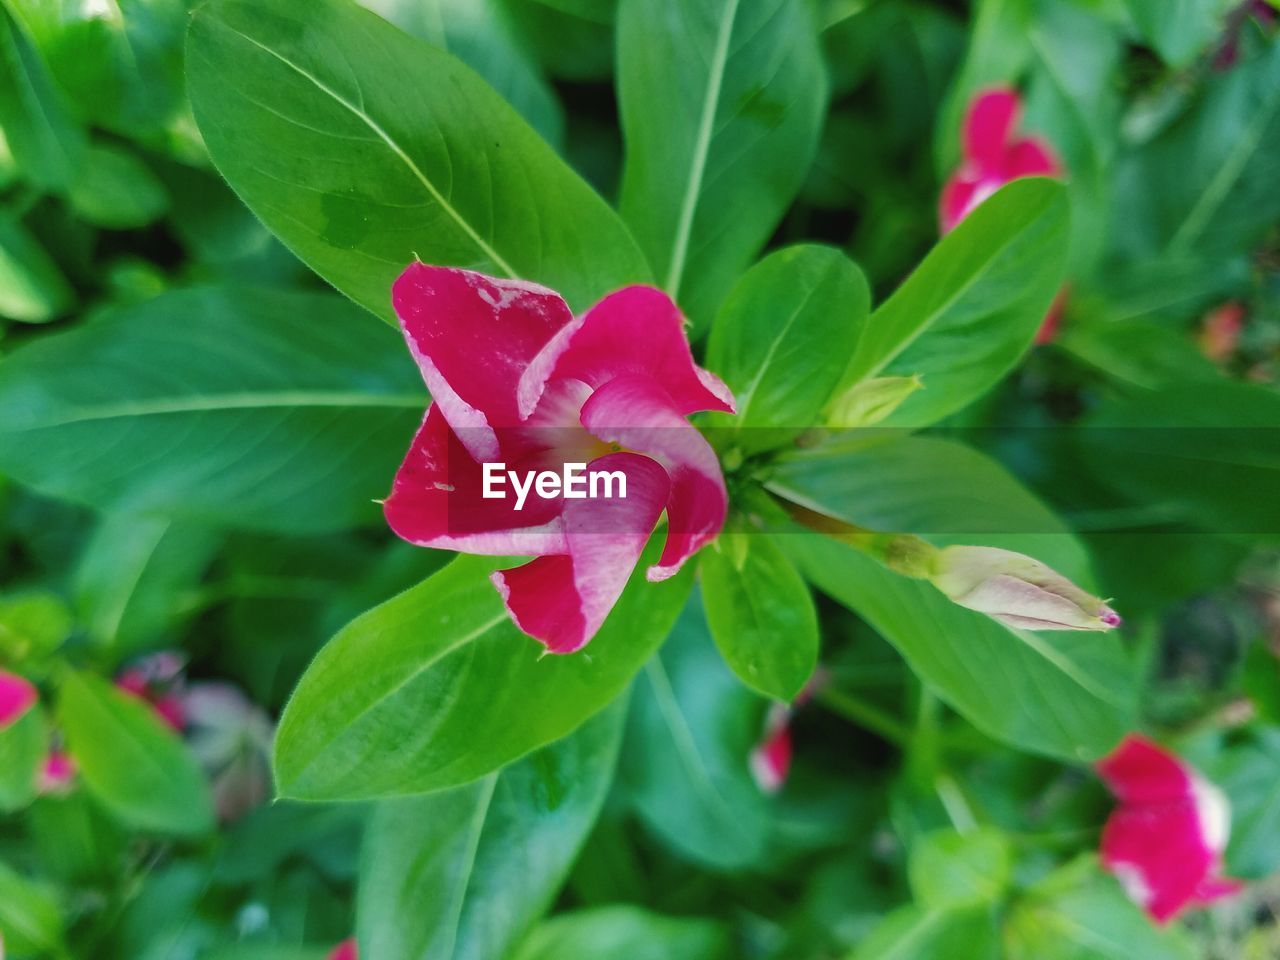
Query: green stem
point(865, 715)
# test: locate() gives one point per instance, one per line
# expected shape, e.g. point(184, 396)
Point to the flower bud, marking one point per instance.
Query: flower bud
point(1018, 590)
point(868, 402)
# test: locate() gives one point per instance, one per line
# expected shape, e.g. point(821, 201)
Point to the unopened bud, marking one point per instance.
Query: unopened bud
point(870, 401)
point(1018, 590)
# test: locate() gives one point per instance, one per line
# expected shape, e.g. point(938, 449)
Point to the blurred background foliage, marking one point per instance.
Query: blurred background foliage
point(1167, 116)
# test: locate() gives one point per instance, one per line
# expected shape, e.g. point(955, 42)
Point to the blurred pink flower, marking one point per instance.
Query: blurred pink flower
point(992, 155)
point(58, 773)
point(516, 379)
point(346, 950)
point(1165, 840)
point(770, 759)
point(17, 696)
point(231, 738)
point(157, 680)
point(1220, 331)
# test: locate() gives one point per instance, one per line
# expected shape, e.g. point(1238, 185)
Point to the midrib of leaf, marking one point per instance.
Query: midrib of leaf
point(116, 616)
point(487, 788)
point(1222, 182)
point(393, 691)
point(682, 736)
point(234, 401)
point(395, 148)
point(750, 391)
point(906, 946)
point(978, 274)
point(701, 149)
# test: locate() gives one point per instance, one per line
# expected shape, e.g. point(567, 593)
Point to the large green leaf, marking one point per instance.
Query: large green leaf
point(45, 140)
point(1065, 694)
point(23, 745)
point(462, 874)
point(362, 148)
point(722, 104)
point(255, 407)
point(686, 764)
point(482, 34)
point(615, 933)
point(437, 687)
point(130, 760)
point(32, 288)
point(949, 869)
point(971, 309)
point(915, 933)
point(782, 341)
point(1250, 775)
point(761, 614)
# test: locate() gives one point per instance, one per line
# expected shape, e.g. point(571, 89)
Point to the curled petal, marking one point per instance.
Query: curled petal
point(992, 116)
point(473, 336)
point(637, 330)
point(634, 412)
point(562, 600)
point(437, 500)
point(17, 696)
point(1031, 157)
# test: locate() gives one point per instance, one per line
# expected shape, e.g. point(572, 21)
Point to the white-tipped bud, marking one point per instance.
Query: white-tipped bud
point(1018, 591)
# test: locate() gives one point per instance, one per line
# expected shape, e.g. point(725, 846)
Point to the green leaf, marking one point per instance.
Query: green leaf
point(913, 933)
point(972, 308)
point(45, 141)
point(116, 191)
point(686, 763)
point(1204, 185)
point(1069, 695)
point(1250, 775)
point(949, 869)
point(1142, 353)
point(30, 921)
point(362, 148)
point(1079, 913)
point(614, 933)
point(462, 874)
point(782, 339)
point(260, 408)
point(573, 38)
point(483, 35)
point(722, 104)
point(437, 687)
point(761, 615)
point(134, 579)
point(1206, 452)
point(33, 624)
point(1179, 30)
point(22, 750)
point(120, 61)
point(130, 760)
point(32, 288)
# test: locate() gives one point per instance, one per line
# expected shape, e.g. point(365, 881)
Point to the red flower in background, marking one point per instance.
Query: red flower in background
point(58, 773)
point(1165, 840)
point(771, 759)
point(346, 950)
point(992, 155)
point(517, 379)
point(17, 696)
point(157, 680)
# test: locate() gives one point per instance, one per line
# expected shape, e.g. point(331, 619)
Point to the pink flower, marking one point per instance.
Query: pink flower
point(771, 759)
point(1220, 331)
point(157, 680)
point(1165, 840)
point(17, 696)
point(346, 950)
point(58, 773)
point(992, 155)
point(517, 380)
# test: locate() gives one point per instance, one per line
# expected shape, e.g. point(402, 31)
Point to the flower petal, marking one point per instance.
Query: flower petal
point(561, 601)
point(1140, 772)
point(473, 336)
point(637, 330)
point(1160, 851)
point(636, 413)
point(993, 113)
point(17, 696)
point(436, 501)
point(1031, 157)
